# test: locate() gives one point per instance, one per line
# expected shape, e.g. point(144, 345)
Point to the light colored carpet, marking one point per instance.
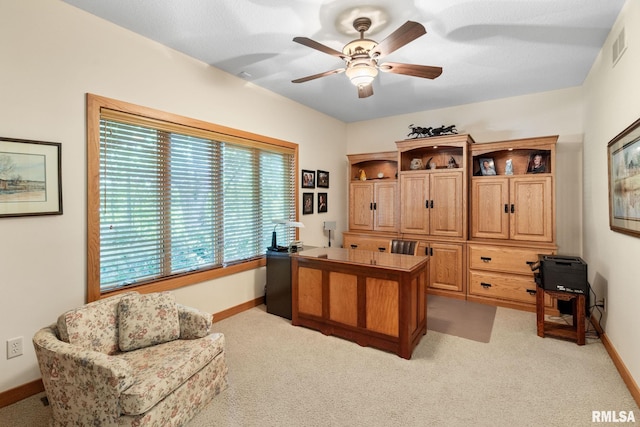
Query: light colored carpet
point(282, 375)
point(461, 318)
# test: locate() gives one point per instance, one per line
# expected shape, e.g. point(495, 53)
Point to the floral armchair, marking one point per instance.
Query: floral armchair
point(132, 360)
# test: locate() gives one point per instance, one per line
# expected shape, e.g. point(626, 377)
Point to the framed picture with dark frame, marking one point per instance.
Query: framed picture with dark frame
point(322, 202)
point(487, 166)
point(537, 163)
point(323, 179)
point(307, 203)
point(623, 154)
point(308, 179)
point(30, 177)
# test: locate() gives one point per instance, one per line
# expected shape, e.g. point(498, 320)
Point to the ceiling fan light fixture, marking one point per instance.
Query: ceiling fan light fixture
point(362, 73)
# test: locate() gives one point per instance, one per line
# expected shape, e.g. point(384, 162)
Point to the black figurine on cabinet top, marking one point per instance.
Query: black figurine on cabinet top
point(420, 132)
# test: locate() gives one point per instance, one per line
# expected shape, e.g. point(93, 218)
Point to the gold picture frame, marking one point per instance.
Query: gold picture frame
point(623, 154)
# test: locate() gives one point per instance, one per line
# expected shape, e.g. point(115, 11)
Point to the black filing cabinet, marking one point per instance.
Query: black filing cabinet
point(278, 290)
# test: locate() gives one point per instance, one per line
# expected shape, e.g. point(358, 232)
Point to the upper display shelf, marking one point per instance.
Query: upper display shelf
point(382, 165)
point(517, 157)
point(435, 153)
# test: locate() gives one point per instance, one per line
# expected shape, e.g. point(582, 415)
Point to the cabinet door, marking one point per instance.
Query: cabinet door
point(490, 208)
point(445, 266)
point(385, 218)
point(414, 212)
point(532, 212)
point(361, 206)
point(445, 216)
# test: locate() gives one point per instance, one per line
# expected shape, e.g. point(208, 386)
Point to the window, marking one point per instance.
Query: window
point(173, 201)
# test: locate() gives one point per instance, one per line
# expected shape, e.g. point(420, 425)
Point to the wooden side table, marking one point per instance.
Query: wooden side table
point(575, 332)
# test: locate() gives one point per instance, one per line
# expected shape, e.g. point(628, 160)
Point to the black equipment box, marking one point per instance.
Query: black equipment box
point(563, 273)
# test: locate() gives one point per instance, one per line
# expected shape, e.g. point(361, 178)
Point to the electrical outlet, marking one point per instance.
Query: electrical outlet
point(14, 347)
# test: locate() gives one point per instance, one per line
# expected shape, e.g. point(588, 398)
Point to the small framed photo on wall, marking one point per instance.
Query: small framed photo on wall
point(322, 202)
point(308, 179)
point(323, 179)
point(307, 203)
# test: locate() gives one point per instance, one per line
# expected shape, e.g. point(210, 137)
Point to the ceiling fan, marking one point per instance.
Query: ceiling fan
point(362, 55)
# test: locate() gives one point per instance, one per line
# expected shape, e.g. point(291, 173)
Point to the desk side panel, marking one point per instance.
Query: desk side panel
point(382, 306)
point(343, 298)
point(310, 291)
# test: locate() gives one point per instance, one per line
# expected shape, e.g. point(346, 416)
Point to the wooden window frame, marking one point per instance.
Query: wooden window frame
point(95, 105)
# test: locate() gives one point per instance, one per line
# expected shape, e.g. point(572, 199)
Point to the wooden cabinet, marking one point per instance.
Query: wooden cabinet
point(432, 204)
point(517, 208)
point(446, 266)
point(511, 219)
point(481, 212)
point(373, 192)
point(515, 202)
point(369, 242)
point(502, 273)
point(372, 206)
point(433, 186)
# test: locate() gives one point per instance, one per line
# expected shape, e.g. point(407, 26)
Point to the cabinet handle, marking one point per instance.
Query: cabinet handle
point(531, 291)
point(354, 246)
point(506, 208)
point(485, 259)
point(375, 206)
point(513, 208)
point(382, 249)
point(426, 204)
point(430, 251)
point(371, 206)
point(431, 204)
point(485, 285)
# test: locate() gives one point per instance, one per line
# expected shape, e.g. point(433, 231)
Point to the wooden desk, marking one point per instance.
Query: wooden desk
point(575, 332)
point(372, 298)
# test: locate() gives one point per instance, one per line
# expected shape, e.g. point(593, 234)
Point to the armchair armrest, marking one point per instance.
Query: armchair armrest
point(75, 377)
point(193, 322)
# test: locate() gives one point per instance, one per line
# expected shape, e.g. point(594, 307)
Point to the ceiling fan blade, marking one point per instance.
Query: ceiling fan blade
point(317, 76)
point(423, 71)
point(365, 91)
point(319, 46)
point(406, 33)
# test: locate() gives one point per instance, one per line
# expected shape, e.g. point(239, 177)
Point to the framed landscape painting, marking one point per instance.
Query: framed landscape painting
point(30, 178)
point(624, 181)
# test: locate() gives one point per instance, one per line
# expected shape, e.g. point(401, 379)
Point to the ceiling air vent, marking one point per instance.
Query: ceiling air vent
point(619, 47)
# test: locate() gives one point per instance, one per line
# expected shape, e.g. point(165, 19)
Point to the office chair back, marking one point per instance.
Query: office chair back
point(407, 247)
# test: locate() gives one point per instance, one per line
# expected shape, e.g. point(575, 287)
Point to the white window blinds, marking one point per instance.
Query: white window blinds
point(174, 201)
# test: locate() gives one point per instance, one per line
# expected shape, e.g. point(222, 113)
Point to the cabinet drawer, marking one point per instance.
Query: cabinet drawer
point(369, 243)
point(504, 258)
point(502, 286)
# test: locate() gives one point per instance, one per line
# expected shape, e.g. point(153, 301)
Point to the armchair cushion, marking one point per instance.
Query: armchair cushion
point(193, 322)
point(147, 319)
point(93, 326)
point(161, 369)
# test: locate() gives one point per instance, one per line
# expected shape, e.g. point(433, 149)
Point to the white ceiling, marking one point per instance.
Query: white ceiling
point(488, 49)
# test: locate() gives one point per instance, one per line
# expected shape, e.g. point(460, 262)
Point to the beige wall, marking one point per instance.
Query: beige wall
point(52, 54)
point(612, 101)
point(549, 113)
